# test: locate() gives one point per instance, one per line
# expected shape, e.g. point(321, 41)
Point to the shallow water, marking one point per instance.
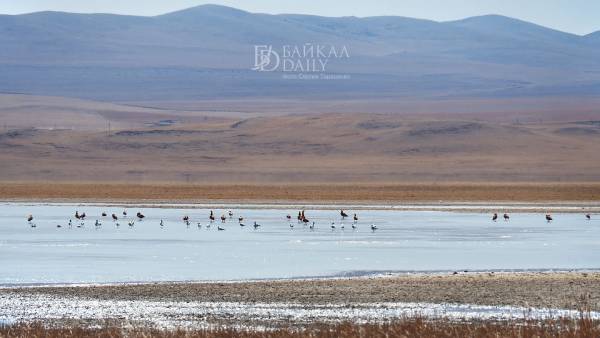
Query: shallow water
point(405, 241)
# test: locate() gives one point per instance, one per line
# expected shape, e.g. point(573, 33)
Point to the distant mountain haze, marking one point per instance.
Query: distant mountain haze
point(208, 52)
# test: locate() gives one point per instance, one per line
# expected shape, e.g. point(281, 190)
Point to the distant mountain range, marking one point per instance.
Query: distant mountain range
point(208, 52)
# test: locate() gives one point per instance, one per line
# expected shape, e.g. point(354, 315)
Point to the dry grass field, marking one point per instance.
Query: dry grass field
point(326, 151)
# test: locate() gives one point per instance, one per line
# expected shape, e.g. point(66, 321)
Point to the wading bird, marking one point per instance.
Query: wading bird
point(506, 217)
point(548, 218)
point(186, 218)
point(131, 224)
point(240, 219)
point(242, 224)
point(103, 214)
point(162, 224)
point(220, 229)
point(140, 216)
point(223, 218)
point(256, 225)
point(343, 214)
point(495, 217)
point(332, 225)
point(114, 217)
point(29, 218)
point(211, 217)
point(588, 217)
point(355, 218)
point(230, 213)
point(124, 212)
point(288, 217)
point(373, 227)
point(312, 226)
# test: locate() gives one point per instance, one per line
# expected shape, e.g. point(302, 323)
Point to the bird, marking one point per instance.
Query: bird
point(186, 218)
point(103, 214)
point(114, 217)
point(332, 225)
point(256, 225)
point(162, 223)
point(97, 223)
point(77, 214)
point(140, 216)
point(548, 218)
point(131, 223)
point(187, 223)
point(355, 218)
point(240, 219)
point(82, 216)
point(117, 224)
point(588, 217)
point(342, 225)
point(242, 224)
point(506, 217)
point(354, 226)
point(300, 216)
point(59, 226)
point(33, 225)
point(199, 225)
point(124, 212)
point(220, 229)
point(230, 213)
point(29, 218)
point(343, 214)
point(223, 218)
point(211, 216)
point(70, 224)
point(291, 226)
point(495, 217)
point(81, 225)
point(288, 217)
point(312, 226)
point(373, 227)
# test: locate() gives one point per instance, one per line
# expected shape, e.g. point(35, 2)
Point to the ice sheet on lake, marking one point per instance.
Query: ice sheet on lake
point(406, 241)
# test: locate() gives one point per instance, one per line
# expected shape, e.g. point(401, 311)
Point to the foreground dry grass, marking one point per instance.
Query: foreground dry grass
point(417, 192)
point(405, 328)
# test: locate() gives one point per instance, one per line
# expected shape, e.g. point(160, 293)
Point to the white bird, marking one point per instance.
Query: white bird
point(220, 229)
point(373, 227)
point(242, 224)
point(291, 226)
point(312, 226)
point(131, 223)
point(332, 225)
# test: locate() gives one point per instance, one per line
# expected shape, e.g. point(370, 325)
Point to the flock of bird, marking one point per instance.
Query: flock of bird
point(302, 219)
point(548, 217)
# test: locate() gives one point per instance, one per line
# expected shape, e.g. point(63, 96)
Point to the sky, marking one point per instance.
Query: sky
point(574, 16)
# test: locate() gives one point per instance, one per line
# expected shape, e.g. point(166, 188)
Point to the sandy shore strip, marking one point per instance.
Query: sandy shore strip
point(566, 290)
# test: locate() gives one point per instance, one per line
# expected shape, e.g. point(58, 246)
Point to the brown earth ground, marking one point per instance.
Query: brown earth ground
point(309, 193)
point(46, 139)
point(578, 291)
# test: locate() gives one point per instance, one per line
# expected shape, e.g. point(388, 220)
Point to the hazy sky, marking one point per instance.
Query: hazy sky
point(576, 16)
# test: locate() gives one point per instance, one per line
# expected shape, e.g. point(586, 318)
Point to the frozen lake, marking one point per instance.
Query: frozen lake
point(405, 241)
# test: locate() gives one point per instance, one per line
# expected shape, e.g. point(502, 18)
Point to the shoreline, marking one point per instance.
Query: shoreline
point(487, 297)
point(567, 290)
point(441, 206)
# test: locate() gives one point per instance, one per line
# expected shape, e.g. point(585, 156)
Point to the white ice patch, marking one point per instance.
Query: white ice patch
point(171, 314)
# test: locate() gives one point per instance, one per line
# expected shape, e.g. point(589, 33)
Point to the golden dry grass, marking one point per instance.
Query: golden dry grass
point(360, 192)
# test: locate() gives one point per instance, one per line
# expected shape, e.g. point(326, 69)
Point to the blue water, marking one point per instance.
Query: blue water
point(405, 241)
